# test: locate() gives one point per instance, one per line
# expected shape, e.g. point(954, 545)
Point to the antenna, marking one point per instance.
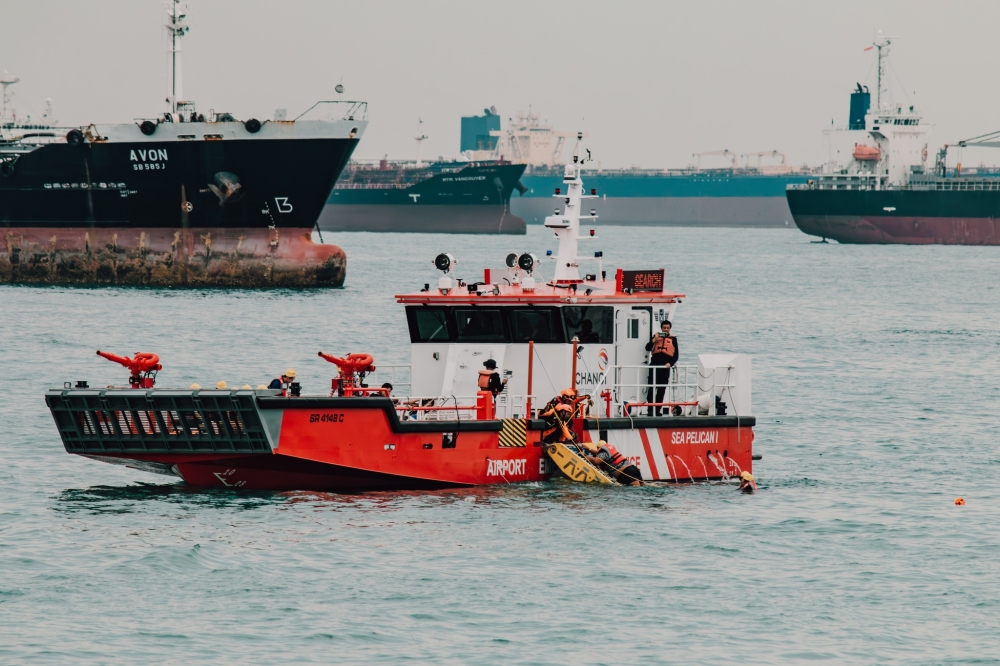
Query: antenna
point(566, 225)
point(176, 13)
point(420, 139)
point(882, 44)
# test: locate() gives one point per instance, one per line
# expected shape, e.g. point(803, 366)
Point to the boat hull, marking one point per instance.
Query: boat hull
point(898, 216)
point(697, 199)
point(695, 211)
point(169, 257)
point(257, 441)
point(439, 219)
point(441, 198)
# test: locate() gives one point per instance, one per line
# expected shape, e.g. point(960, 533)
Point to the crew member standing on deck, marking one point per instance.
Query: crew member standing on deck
point(489, 379)
point(664, 356)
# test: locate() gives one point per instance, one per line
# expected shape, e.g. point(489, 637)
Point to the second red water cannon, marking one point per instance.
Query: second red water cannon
point(143, 366)
point(353, 369)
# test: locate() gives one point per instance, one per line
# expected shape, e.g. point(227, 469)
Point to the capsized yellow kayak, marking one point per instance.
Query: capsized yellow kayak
point(575, 467)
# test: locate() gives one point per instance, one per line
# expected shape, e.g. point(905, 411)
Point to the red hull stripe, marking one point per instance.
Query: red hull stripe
point(649, 453)
point(661, 436)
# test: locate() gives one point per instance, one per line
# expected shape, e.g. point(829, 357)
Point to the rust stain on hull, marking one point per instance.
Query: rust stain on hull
point(216, 257)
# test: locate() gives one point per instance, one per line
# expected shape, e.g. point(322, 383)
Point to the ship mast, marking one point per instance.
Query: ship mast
point(882, 89)
point(176, 13)
point(566, 224)
point(6, 81)
point(420, 140)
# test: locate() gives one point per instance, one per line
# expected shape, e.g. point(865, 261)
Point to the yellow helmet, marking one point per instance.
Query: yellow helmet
point(568, 393)
point(195, 387)
point(746, 476)
point(221, 385)
point(290, 373)
point(246, 387)
point(261, 387)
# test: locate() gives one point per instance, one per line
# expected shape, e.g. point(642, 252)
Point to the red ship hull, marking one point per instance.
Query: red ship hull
point(165, 256)
point(358, 444)
point(902, 230)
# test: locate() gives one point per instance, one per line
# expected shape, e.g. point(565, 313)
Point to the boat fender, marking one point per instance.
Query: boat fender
point(147, 127)
point(74, 137)
point(252, 125)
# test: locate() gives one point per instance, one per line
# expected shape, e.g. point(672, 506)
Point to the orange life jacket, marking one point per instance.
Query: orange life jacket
point(662, 345)
point(484, 379)
point(617, 459)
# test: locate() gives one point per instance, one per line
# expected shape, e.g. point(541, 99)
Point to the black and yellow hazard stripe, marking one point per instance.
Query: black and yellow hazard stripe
point(514, 433)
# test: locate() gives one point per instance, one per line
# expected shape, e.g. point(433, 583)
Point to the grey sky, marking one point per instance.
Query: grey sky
point(652, 82)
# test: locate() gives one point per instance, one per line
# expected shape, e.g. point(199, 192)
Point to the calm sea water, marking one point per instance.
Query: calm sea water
point(876, 375)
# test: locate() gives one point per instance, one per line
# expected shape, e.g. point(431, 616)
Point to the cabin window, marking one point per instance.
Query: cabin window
point(633, 328)
point(535, 324)
point(594, 324)
point(428, 324)
point(479, 325)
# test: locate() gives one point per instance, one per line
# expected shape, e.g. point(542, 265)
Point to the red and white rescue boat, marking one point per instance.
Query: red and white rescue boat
point(435, 428)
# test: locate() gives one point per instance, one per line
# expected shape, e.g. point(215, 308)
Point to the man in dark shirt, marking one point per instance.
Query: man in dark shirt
point(587, 332)
point(284, 380)
point(664, 356)
point(489, 379)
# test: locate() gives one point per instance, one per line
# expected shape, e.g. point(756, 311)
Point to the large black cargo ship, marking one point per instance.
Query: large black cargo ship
point(888, 194)
point(443, 197)
point(182, 199)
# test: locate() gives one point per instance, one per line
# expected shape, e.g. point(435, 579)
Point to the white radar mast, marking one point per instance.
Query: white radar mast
point(882, 44)
point(567, 224)
point(176, 13)
point(420, 140)
point(7, 116)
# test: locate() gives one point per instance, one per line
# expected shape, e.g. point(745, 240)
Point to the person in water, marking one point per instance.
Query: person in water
point(664, 356)
point(747, 483)
point(489, 379)
point(607, 458)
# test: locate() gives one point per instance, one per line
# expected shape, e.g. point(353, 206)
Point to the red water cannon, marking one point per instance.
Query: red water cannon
point(143, 367)
point(353, 369)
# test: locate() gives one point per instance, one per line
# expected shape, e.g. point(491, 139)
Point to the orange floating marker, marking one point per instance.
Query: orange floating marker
point(959, 502)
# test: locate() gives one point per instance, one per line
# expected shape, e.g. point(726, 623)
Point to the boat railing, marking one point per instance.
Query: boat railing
point(335, 110)
point(509, 406)
point(634, 391)
point(436, 408)
point(397, 375)
point(625, 391)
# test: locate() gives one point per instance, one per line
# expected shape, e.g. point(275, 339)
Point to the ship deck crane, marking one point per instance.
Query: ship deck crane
point(988, 140)
point(731, 156)
point(761, 155)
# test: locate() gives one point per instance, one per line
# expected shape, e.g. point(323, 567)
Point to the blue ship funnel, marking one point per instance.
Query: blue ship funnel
point(860, 103)
point(476, 131)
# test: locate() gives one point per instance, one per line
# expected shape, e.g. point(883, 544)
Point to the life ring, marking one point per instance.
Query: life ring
point(252, 125)
point(147, 127)
point(74, 137)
